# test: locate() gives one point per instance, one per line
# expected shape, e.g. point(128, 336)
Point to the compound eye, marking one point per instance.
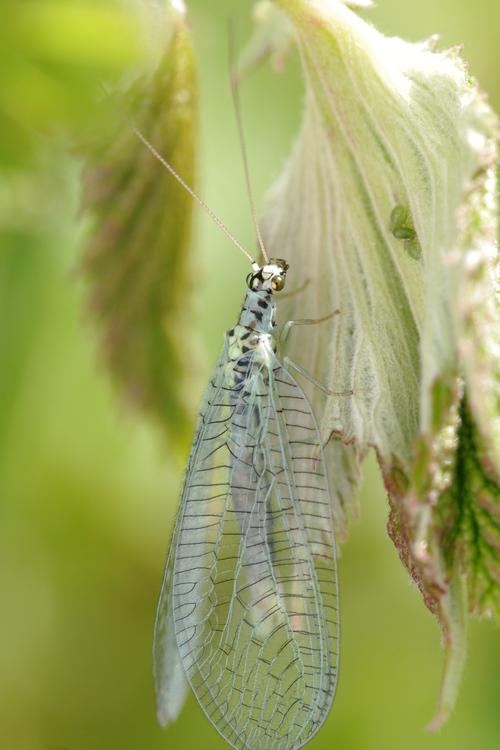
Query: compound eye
point(278, 283)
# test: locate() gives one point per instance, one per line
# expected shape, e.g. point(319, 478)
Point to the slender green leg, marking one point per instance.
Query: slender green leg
point(287, 362)
point(283, 336)
point(287, 327)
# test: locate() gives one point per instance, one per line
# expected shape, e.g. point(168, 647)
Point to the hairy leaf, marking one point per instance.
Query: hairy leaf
point(138, 263)
point(387, 205)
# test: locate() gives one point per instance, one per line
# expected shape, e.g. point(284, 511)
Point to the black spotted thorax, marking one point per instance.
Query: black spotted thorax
point(252, 336)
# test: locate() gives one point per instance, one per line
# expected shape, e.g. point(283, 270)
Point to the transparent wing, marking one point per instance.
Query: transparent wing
point(170, 681)
point(304, 526)
point(253, 586)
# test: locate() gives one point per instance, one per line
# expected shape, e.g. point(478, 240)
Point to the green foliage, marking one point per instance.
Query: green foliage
point(474, 504)
point(138, 261)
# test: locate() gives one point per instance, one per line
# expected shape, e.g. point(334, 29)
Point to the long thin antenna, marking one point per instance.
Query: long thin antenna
point(241, 134)
point(194, 195)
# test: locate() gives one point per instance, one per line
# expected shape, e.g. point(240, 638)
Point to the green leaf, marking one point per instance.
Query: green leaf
point(445, 523)
point(388, 206)
point(138, 262)
point(474, 502)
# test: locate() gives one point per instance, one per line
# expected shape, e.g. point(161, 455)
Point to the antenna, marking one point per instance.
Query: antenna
point(241, 134)
point(194, 195)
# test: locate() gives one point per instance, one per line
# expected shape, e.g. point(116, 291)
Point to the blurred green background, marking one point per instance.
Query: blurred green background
point(88, 492)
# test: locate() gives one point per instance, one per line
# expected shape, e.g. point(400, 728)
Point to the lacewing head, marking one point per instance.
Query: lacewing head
point(270, 277)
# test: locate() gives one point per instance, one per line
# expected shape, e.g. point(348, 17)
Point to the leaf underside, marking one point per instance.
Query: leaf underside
point(388, 207)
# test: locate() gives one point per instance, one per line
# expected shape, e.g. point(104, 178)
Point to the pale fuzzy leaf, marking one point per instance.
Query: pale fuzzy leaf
point(138, 261)
point(384, 125)
point(344, 473)
point(387, 206)
point(478, 298)
point(273, 36)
